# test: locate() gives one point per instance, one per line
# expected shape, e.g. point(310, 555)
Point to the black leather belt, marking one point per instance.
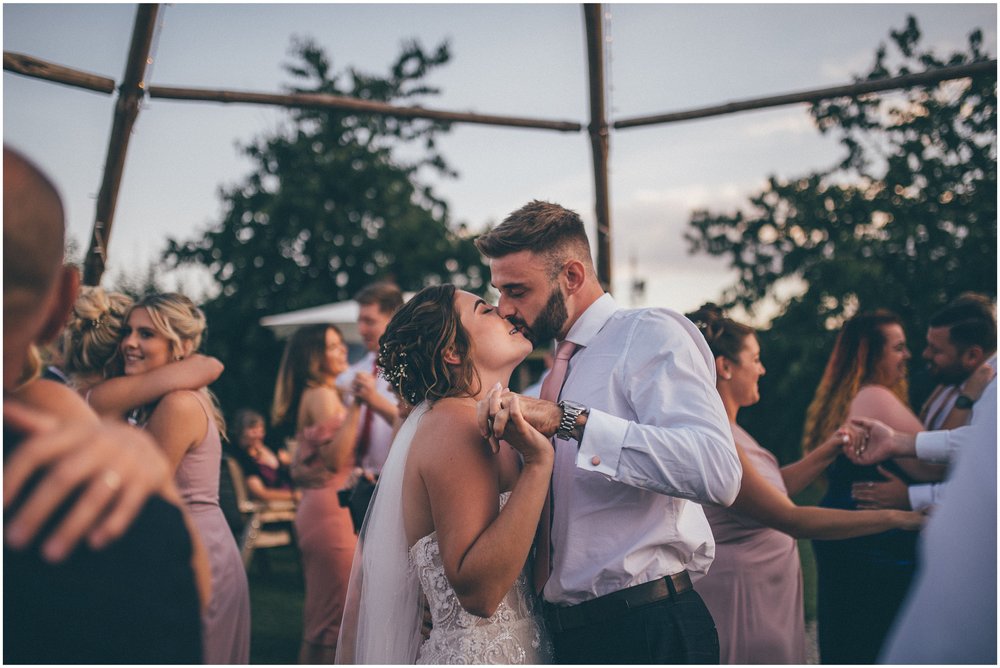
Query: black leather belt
point(616, 603)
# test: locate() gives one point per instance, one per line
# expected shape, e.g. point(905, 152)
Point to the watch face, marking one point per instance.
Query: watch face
point(963, 402)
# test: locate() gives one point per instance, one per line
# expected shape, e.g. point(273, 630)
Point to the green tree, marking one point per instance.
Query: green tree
point(906, 221)
point(329, 207)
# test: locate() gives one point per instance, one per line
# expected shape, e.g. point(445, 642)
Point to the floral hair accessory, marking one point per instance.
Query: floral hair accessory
point(396, 374)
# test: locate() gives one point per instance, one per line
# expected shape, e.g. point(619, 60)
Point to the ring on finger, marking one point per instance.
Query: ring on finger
point(112, 479)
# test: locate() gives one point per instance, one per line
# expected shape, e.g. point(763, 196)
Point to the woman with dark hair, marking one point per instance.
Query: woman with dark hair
point(453, 519)
point(267, 472)
point(862, 581)
point(754, 588)
point(306, 399)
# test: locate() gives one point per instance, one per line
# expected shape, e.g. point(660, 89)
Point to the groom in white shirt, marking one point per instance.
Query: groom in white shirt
point(641, 440)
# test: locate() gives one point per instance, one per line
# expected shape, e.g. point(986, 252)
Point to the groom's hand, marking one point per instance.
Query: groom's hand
point(493, 420)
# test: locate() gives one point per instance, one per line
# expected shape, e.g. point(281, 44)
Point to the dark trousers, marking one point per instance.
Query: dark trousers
point(674, 630)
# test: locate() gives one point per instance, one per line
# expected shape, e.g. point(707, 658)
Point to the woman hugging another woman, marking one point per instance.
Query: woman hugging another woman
point(164, 381)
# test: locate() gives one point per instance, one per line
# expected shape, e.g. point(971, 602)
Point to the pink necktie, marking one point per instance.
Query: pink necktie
point(365, 436)
point(551, 388)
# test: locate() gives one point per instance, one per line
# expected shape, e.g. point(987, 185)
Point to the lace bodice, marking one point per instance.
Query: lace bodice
point(514, 634)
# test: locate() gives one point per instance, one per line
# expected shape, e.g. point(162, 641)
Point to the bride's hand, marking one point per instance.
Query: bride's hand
point(533, 445)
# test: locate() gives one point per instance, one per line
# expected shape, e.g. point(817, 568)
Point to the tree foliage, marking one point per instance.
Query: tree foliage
point(329, 207)
point(905, 221)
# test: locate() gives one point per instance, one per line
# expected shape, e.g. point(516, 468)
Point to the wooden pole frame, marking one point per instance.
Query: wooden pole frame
point(328, 101)
point(41, 69)
point(928, 77)
point(126, 110)
point(133, 89)
point(598, 130)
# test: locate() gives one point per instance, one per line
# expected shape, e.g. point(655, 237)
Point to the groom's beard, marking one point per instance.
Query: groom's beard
point(550, 321)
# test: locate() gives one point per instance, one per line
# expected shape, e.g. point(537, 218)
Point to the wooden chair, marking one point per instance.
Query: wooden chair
point(265, 523)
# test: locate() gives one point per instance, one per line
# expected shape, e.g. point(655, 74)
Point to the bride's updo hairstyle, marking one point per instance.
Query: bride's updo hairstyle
point(725, 336)
point(92, 333)
point(412, 350)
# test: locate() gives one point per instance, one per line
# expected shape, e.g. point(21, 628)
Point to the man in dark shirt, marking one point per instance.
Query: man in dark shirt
point(128, 592)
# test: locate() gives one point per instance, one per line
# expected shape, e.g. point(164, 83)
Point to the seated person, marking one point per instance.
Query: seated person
point(267, 473)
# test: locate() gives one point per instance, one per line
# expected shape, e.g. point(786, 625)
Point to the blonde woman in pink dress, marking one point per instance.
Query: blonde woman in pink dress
point(305, 396)
point(754, 588)
point(160, 330)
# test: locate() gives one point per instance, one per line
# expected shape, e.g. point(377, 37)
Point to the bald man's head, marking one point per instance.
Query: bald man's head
point(33, 228)
point(37, 289)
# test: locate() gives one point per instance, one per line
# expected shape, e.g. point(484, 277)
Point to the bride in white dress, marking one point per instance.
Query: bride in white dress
point(453, 518)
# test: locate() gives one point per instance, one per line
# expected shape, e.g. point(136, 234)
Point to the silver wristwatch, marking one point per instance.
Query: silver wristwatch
point(567, 423)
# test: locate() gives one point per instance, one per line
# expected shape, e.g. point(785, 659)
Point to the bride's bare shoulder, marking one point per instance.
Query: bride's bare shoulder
point(449, 423)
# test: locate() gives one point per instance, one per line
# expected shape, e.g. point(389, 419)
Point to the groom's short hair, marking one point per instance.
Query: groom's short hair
point(544, 228)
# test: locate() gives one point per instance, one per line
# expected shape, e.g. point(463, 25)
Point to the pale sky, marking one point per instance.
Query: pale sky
point(519, 60)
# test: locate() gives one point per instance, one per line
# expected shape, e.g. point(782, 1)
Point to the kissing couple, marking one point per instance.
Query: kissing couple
point(565, 528)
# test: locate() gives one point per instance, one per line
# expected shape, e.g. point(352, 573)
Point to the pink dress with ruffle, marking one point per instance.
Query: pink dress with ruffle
point(326, 540)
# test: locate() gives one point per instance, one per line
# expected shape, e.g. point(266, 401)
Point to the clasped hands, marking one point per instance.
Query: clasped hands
point(114, 466)
point(526, 423)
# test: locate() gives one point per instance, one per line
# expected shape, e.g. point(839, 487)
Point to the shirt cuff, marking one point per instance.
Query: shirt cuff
point(921, 496)
point(601, 447)
point(933, 446)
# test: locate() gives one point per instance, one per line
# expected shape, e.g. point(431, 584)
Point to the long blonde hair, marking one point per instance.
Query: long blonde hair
point(90, 341)
point(183, 324)
point(853, 363)
point(301, 367)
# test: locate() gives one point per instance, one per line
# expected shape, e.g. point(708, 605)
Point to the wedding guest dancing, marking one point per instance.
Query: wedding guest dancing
point(642, 439)
point(754, 589)
point(306, 398)
point(862, 581)
point(453, 518)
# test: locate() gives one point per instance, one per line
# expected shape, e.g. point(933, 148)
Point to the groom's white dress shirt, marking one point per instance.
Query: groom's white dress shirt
point(656, 444)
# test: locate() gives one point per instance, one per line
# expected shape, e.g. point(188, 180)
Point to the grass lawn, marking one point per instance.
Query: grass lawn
point(276, 595)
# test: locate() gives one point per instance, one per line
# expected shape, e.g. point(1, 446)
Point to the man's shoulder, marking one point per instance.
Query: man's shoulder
point(649, 320)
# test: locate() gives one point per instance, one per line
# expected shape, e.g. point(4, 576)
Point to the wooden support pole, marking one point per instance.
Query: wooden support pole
point(130, 96)
point(41, 69)
point(849, 90)
point(327, 101)
point(599, 139)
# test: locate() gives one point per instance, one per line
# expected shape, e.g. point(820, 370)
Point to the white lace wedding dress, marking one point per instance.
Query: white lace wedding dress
point(514, 634)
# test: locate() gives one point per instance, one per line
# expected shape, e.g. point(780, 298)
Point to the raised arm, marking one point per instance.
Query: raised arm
point(116, 396)
point(761, 501)
point(877, 402)
point(483, 549)
point(799, 475)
